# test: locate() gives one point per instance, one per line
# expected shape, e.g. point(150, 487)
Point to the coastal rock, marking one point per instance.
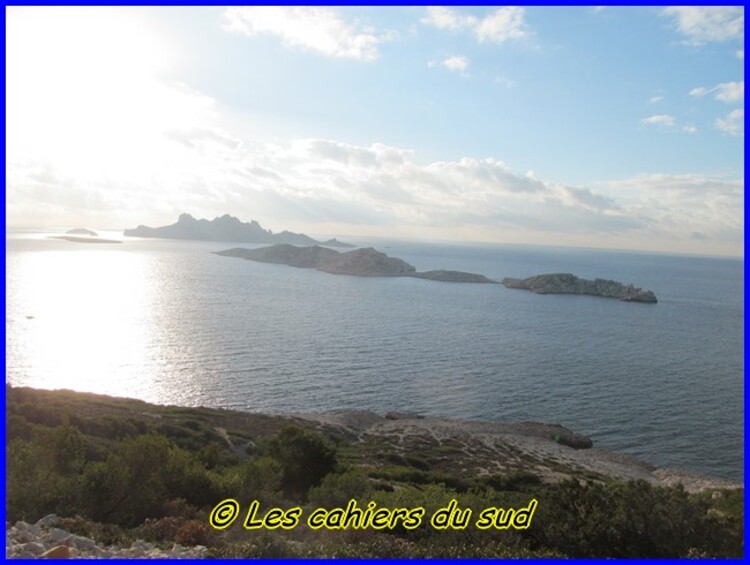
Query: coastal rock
point(566, 283)
point(225, 228)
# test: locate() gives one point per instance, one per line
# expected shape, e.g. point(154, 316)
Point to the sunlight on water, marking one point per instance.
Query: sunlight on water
point(80, 321)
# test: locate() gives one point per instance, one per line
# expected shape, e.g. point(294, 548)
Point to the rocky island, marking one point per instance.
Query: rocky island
point(81, 231)
point(365, 262)
point(566, 283)
point(226, 228)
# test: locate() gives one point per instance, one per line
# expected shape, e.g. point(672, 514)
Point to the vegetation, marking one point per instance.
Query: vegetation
point(120, 470)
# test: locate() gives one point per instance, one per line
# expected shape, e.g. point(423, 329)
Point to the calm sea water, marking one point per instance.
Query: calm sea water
point(169, 322)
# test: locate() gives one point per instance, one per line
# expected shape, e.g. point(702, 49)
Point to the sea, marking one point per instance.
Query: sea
point(170, 322)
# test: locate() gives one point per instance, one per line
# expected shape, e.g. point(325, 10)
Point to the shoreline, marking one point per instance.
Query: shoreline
point(477, 447)
point(532, 444)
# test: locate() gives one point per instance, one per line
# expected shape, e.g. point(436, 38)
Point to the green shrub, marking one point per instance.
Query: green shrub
point(305, 458)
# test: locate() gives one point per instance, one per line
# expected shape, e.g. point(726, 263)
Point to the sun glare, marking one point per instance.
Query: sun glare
point(81, 320)
point(84, 88)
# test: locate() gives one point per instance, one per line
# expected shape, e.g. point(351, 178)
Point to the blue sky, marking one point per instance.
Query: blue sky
point(601, 127)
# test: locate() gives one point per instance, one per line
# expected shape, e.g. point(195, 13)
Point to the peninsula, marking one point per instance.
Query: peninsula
point(565, 283)
point(365, 262)
point(226, 228)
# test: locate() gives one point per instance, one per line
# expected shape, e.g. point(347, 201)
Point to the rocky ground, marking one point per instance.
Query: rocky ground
point(550, 451)
point(45, 539)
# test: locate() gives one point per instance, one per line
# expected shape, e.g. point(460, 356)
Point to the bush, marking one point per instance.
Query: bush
point(305, 458)
point(337, 490)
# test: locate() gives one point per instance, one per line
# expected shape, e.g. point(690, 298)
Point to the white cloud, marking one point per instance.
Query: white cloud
point(655, 99)
point(321, 30)
point(733, 124)
point(660, 119)
point(708, 24)
point(504, 24)
point(699, 91)
point(456, 63)
point(731, 91)
point(689, 128)
point(725, 91)
point(506, 82)
point(740, 53)
point(447, 18)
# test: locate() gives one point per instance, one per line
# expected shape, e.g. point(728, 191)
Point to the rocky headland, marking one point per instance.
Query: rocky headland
point(566, 283)
point(365, 262)
point(226, 228)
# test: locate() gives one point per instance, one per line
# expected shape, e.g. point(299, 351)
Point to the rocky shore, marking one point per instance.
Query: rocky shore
point(44, 539)
point(551, 451)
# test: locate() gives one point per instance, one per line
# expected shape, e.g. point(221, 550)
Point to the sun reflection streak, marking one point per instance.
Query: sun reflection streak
point(83, 321)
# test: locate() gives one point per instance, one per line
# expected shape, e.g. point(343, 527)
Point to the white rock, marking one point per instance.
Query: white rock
point(48, 521)
point(33, 547)
point(82, 543)
point(56, 536)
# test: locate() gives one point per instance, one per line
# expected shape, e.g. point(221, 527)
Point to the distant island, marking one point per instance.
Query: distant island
point(227, 228)
point(81, 231)
point(82, 235)
point(366, 262)
point(566, 283)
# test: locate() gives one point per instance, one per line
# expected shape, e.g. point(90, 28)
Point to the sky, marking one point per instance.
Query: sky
point(603, 127)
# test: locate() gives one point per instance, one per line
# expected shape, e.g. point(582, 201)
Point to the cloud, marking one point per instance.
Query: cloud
point(504, 24)
point(702, 25)
point(731, 91)
point(456, 63)
point(321, 30)
point(506, 82)
point(655, 99)
point(725, 91)
point(689, 128)
point(660, 119)
point(447, 18)
point(733, 124)
point(680, 206)
point(740, 53)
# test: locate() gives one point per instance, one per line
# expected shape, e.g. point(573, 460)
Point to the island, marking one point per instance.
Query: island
point(365, 262)
point(81, 231)
point(226, 228)
point(84, 239)
point(566, 283)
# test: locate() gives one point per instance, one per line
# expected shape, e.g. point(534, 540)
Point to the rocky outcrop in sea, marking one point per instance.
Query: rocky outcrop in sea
point(566, 283)
point(365, 262)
